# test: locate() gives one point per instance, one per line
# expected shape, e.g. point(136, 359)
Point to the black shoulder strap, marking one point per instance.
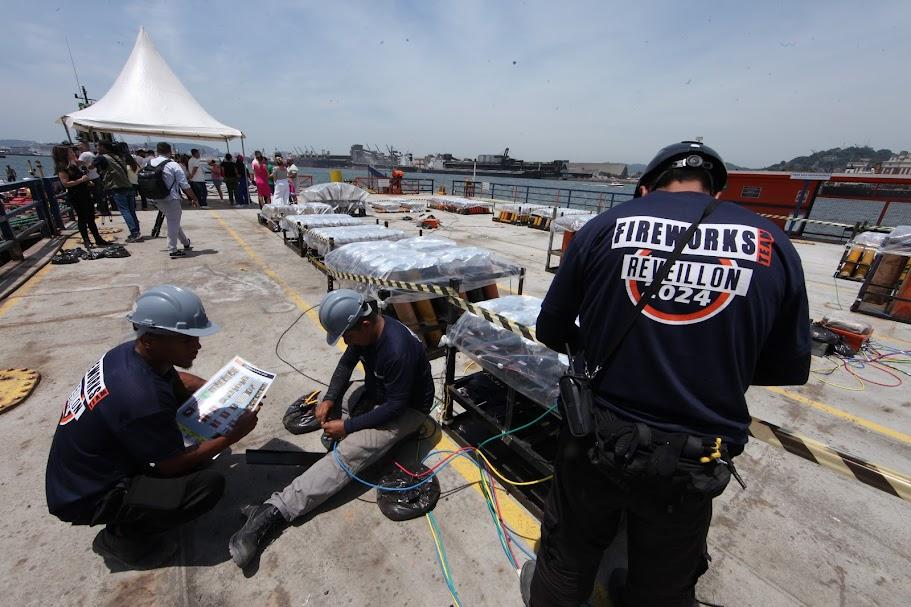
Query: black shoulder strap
point(632, 315)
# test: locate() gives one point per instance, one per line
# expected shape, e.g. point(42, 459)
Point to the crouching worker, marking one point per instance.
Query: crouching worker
point(118, 458)
point(393, 404)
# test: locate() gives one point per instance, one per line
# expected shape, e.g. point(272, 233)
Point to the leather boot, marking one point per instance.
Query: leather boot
point(262, 524)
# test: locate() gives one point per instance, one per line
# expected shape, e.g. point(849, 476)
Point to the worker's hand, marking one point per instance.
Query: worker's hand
point(322, 411)
point(242, 427)
point(335, 429)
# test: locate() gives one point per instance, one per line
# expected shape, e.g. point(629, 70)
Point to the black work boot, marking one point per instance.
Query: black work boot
point(133, 552)
point(262, 523)
point(528, 572)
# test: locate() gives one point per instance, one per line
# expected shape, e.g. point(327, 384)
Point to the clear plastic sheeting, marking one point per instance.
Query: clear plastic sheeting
point(330, 220)
point(529, 367)
point(457, 204)
point(869, 239)
point(277, 211)
point(397, 205)
point(561, 211)
point(573, 223)
point(897, 242)
point(320, 239)
point(344, 197)
point(421, 260)
point(513, 207)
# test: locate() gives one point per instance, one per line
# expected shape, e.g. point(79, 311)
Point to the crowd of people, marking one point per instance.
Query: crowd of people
point(111, 176)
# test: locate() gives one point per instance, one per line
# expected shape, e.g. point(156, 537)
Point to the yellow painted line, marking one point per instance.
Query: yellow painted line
point(854, 419)
point(24, 289)
point(293, 295)
point(518, 519)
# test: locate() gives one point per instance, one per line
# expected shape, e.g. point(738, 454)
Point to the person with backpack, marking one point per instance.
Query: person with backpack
point(161, 181)
point(116, 180)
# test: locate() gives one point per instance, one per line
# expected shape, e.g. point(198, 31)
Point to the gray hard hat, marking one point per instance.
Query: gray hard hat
point(340, 310)
point(171, 309)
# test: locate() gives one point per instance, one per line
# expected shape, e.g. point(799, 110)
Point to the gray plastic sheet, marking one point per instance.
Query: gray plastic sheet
point(421, 260)
point(529, 367)
point(319, 238)
point(573, 223)
point(897, 242)
point(330, 220)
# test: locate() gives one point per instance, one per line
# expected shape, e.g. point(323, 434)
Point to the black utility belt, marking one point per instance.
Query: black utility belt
point(630, 450)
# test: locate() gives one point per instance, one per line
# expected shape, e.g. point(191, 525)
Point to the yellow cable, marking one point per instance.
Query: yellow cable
point(436, 542)
point(506, 480)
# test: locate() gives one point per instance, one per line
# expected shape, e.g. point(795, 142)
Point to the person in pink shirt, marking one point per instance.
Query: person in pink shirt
point(218, 177)
point(261, 178)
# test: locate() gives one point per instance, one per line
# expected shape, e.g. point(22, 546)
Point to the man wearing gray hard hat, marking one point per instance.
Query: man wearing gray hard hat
point(393, 404)
point(118, 457)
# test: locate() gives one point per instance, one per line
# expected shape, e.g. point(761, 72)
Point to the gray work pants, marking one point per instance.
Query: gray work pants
point(172, 213)
point(358, 450)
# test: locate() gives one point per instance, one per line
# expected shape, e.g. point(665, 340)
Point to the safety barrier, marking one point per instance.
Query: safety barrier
point(873, 475)
point(593, 200)
point(19, 223)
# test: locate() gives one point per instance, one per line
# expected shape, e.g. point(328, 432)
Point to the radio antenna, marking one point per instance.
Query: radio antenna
point(75, 73)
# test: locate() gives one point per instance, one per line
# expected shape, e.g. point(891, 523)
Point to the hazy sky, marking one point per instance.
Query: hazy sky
point(600, 81)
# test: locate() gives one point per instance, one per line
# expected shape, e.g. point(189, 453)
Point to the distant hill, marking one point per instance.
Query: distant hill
point(834, 160)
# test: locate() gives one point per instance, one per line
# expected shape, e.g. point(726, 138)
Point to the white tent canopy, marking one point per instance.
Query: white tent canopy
point(148, 99)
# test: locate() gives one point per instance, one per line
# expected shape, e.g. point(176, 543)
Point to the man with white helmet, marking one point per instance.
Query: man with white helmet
point(118, 457)
point(394, 402)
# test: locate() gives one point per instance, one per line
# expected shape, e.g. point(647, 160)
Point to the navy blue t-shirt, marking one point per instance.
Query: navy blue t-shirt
point(732, 311)
point(118, 420)
point(397, 375)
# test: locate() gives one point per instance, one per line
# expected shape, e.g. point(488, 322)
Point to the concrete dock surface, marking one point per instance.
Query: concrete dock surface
point(798, 535)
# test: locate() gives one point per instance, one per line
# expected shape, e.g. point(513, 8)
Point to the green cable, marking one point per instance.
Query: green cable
point(522, 427)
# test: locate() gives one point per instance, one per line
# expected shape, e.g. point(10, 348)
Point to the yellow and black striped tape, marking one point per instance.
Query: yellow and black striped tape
point(496, 319)
point(878, 477)
point(454, 297)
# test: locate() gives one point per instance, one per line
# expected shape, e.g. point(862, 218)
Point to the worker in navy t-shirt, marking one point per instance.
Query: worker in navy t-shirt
point(118, 457)
point(731, 312)
point(393, 404)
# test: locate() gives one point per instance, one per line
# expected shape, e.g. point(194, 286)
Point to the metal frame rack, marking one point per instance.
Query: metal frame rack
point(879, 299)
point(502, 409)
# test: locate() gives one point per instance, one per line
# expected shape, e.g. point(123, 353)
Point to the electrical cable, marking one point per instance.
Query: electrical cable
point(282, 336)
point(442, 560)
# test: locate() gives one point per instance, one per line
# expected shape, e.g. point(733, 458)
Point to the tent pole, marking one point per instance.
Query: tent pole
point(243, 152)
point(68, 138)
point(227, 146)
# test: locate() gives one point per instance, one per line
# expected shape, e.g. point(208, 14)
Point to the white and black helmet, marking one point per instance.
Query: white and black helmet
point(685, 155)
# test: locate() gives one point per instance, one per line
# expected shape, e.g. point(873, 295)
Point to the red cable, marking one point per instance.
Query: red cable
point(870, 381)
point(435, 467)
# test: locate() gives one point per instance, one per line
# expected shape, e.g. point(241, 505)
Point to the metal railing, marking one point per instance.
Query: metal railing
point(23, 219)
point(592, 200)
point(410, 185)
